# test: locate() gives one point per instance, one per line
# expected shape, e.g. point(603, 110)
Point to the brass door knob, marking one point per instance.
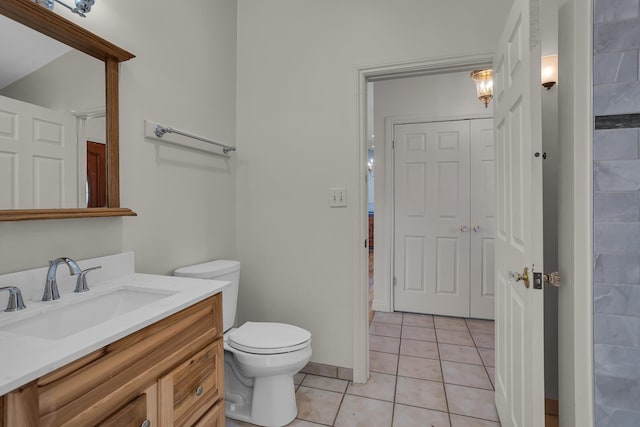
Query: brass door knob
point(552, 279)
point(524, 277)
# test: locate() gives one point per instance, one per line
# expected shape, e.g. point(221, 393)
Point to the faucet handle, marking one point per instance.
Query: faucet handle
point(81, 283)
point(15, 298)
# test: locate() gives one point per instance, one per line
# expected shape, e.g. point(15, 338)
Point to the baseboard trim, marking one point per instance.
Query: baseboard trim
point(328, 371)
point(381, 306)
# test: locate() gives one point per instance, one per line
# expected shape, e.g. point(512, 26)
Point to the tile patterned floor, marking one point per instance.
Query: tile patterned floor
point(426, 371)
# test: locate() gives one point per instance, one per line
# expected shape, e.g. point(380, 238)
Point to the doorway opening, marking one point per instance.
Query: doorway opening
point(382, 276)
point(424, 108)
point(421, 109)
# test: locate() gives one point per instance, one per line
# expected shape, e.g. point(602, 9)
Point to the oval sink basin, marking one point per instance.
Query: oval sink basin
point(70, 319)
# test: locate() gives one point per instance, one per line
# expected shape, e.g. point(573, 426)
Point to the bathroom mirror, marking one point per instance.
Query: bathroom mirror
point(44, 184)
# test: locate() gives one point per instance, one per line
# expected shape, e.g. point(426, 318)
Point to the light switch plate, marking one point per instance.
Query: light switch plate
point(337, 197)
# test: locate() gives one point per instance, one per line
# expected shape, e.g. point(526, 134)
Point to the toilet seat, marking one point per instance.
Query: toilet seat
point(268, 338)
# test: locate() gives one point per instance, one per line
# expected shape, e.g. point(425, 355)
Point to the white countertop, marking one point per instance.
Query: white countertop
point(25, 358)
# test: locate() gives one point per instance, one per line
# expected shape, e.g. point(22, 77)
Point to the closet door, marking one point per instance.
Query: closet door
point(431, 207)
point(483, 218)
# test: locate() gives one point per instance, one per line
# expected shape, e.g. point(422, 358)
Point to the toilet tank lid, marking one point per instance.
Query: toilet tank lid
point(209, 270)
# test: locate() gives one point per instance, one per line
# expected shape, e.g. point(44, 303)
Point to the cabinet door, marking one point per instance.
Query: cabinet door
point(133, 414)
point(213, 418)
point(187, 392)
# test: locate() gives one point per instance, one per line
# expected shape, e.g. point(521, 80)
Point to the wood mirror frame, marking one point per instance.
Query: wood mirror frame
point(53, 25)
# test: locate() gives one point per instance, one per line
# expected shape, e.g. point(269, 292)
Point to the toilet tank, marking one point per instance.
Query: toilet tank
point(220, 269)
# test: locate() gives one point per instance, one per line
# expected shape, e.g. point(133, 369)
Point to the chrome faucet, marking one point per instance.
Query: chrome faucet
point(15, 298)
point(51, 286)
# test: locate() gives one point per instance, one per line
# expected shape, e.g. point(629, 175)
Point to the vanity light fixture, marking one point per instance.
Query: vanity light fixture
point(484, 85)
point(549, 71)
point(81, 6)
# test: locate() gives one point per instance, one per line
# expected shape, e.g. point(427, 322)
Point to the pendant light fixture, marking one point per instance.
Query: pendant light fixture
point(484, 85)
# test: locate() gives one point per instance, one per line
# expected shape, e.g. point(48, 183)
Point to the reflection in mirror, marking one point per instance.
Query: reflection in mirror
point(95, 195)
point(52, 102)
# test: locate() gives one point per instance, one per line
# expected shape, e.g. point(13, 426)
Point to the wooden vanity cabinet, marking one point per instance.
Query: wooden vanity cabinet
point(167, 374)
point(133, 414)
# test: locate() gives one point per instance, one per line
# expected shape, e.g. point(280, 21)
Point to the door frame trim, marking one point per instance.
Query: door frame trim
point(575, 228)
point(373, 72)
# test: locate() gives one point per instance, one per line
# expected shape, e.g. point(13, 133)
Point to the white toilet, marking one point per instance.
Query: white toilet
point(260, 358)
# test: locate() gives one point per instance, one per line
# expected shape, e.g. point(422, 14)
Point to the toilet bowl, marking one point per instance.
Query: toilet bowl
point(260, 358)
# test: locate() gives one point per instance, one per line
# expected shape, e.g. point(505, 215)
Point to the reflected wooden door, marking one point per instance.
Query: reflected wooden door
point(96, 175)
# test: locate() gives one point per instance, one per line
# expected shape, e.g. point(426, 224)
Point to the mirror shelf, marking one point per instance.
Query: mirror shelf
point(39, 18)
point(38, 214)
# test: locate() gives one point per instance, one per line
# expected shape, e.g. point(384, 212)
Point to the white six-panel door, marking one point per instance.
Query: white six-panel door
point(431, 265)
point(38, 157)
point(444, 255)
point(519, 310)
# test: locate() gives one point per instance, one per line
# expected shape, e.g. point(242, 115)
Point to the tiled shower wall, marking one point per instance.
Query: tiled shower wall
point(616, 174)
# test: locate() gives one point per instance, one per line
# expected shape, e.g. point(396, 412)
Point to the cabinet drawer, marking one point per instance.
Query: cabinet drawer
point(187, 392)
point(133, 414)
point(213, 418)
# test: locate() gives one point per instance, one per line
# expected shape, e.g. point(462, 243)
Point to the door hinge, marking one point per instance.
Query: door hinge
point(395, 281)
point(365, 243)
point(393, 144)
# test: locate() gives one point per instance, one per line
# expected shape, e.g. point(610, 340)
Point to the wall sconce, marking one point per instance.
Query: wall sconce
point(81, 6)
point(549, 71)
point(484, 85)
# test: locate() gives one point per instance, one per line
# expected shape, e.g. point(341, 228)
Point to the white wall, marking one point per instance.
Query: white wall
point(184, 76)
point(550, 219)
point(435, 96)
point(549, 24)
point(298, 136)
point(74, 81)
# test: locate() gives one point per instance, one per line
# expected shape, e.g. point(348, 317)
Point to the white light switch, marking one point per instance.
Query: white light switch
point(337, 197)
